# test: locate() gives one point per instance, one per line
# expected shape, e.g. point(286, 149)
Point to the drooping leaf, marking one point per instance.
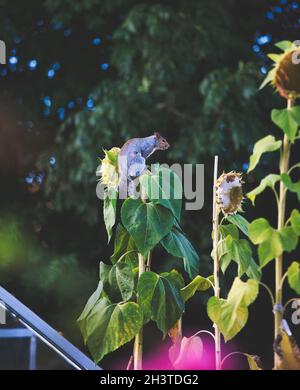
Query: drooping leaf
point(231, 314)
point(293, 187)
point(109, 326)
point(177, 244)
point(268, 181)
point(288, 120)
point(254, 271)
point(242, 254)
point(272, 243)
point(93, 299)
point(124, 245)
point(199, 283)
point(254, 362)
point(225, 260)
point(188, 355)
point(264, 145)
point(147, 223)
point(175, 333)
point(229, 230)
point(288, 238)
point(293, 274)
point(164, 188)
point(110, 210)
point(287, 351)
point(231, 248)
point(240, 222)
point(295, 221)
point(160, 300)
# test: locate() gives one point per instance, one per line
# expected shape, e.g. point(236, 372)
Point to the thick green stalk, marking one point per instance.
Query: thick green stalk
point(138, 342)
point(284, 167)
point(218, 356)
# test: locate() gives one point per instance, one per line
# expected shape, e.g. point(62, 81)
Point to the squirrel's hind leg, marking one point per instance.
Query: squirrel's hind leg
point(123, 188)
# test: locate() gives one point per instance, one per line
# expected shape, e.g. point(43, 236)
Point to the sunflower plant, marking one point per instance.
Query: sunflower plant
point(129, 293)
point(275, 242)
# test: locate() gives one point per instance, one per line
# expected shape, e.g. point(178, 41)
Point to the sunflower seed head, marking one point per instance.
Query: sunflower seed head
point(229, 192)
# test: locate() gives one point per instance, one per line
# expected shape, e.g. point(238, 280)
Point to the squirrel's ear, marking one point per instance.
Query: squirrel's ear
point(157, 135)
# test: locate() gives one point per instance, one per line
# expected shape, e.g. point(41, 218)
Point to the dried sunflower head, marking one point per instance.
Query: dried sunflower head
point(285, 75)
point(229, 192)
point(108, 170)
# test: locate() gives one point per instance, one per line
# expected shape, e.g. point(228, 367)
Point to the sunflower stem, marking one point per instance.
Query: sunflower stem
point(138, 342)
point(215, 218)
point(284, 168)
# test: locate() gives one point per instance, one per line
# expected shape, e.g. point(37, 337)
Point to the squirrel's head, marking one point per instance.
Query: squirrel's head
point(161, 143)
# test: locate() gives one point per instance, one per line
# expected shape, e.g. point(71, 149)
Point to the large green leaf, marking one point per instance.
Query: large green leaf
point(147, 223)
point(174, 277)
point(295, 221)
point(164, 188)
point(110, 210)
point(177, 244)
point(288, 238)
point(264, 145)
point(199, 283)
point(109, 326)
point(93, 299)
point(160, 300)
point(294, 276)
point(231, 314)
point(118, 280)
point(124, 247)
point(229, 230)
point(241, 252)
point(290, 185)
point(268, 181)
point(239, 221)
point(253, 271)
point(288, 120)
point(121, 279)
point(271, 242)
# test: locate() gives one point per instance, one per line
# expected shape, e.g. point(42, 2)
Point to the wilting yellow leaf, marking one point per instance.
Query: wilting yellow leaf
point(254, 362)
point(287, 351)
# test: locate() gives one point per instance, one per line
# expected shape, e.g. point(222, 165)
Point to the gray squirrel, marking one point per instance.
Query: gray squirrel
point(132, 159)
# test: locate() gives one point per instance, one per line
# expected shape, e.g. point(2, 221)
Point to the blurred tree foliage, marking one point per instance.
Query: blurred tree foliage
point(184, 68)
